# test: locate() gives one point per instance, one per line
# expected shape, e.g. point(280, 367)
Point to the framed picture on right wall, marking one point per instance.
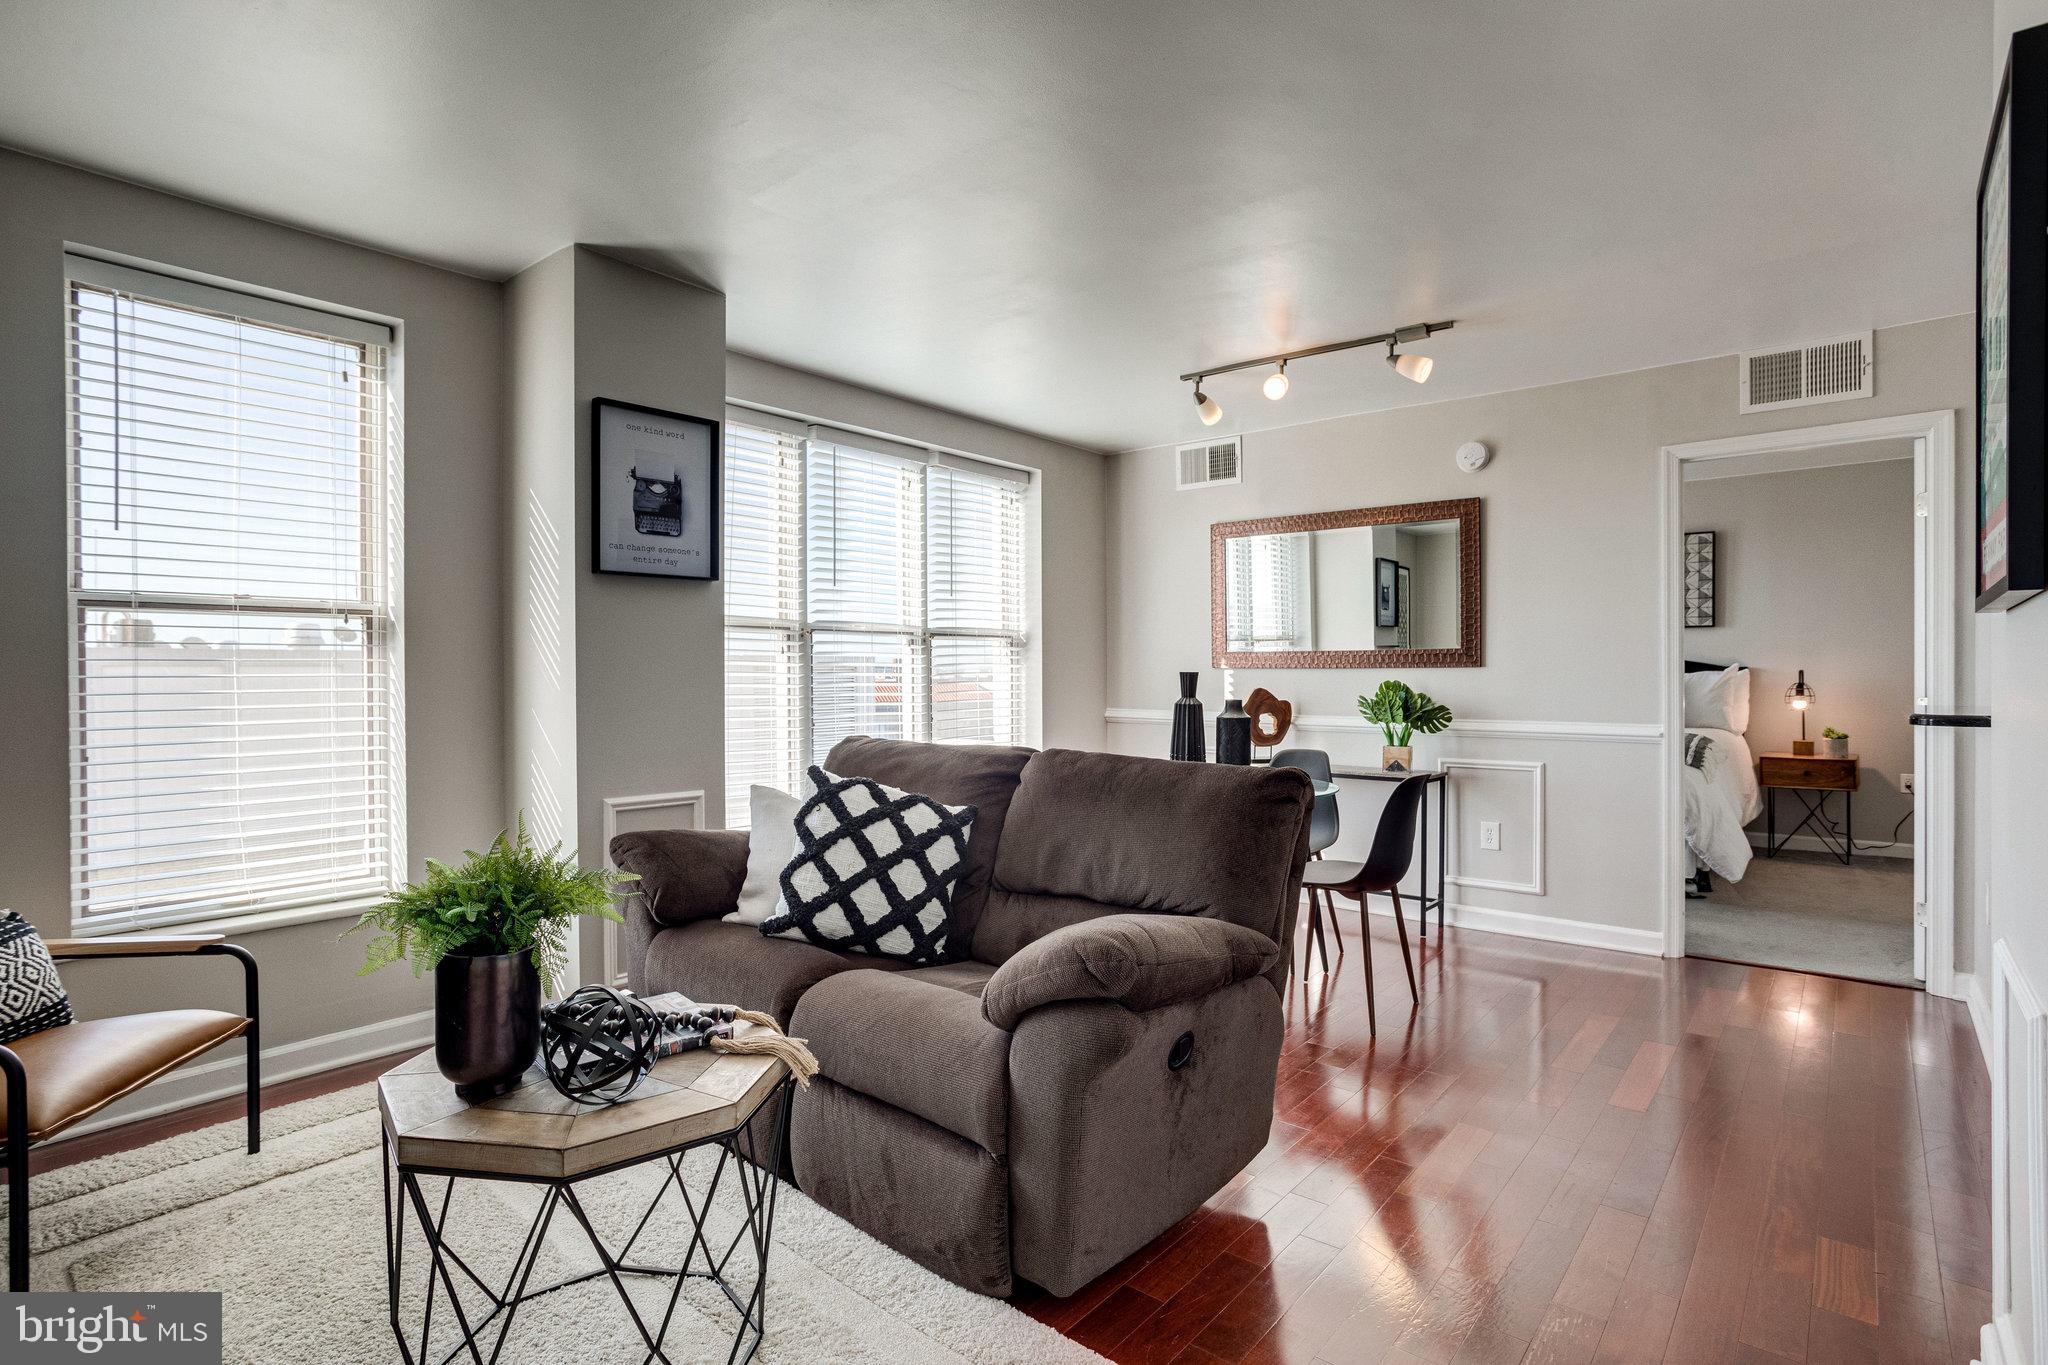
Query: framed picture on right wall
point(2012, 334)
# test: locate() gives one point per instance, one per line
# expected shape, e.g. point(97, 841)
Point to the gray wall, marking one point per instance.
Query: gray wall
point(455, 772)
point(1068, 600)
point(1570, 563)
point(1814, 570)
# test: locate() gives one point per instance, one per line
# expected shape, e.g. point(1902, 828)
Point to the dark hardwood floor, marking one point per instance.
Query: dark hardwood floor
point(1569, 1155)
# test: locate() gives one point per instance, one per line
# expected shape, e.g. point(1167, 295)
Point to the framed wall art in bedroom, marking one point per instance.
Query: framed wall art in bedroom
point(2012, 334)
point(654, 491)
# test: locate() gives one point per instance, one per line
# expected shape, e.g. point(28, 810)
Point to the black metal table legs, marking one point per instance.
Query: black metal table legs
point(743, 1158)
point(1423, 900)
point(1842, 846)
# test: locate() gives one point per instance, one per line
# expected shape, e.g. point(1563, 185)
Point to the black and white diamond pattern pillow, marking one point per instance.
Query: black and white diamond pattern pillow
point(32, 997)
point(874, 870)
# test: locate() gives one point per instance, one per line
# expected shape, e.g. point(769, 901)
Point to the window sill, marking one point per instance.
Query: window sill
point(253, 922)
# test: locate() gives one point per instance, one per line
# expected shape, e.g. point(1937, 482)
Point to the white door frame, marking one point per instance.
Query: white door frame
point(1934, 657)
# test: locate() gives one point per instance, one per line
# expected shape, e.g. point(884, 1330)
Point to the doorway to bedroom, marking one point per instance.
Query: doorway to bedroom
point(1801, 641)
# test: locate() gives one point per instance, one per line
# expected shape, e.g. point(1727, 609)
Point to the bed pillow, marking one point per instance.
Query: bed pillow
point(1718, 701)
point(771, 843)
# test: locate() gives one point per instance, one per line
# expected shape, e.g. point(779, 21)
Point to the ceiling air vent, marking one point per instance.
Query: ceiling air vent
point(1825, 372)
point(1207, 463)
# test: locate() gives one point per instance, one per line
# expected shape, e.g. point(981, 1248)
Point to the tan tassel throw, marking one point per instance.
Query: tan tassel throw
point(766, 1040)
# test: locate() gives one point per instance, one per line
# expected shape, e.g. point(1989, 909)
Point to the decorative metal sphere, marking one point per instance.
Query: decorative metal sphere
point(599, 1044)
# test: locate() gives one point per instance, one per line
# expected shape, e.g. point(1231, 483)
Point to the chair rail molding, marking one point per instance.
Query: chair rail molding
point(619, 818)
point(2019, 1034)
point(1609, 732)
point(1538, 817)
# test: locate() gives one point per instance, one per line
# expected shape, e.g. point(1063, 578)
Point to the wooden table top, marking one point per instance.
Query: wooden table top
point(535, 1131)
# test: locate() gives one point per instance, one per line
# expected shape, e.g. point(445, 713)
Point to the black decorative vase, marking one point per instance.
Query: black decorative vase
point(1187, 722)
point(1233, 733)
point(486, 1021)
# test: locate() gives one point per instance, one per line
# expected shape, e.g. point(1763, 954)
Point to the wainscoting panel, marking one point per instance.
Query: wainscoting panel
point(2019, 1166)
point(1478, 795)
point(625, 815)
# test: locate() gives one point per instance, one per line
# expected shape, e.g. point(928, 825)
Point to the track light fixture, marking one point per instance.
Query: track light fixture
point(1415, 367)
point(1275, 386)
point(1409, 366)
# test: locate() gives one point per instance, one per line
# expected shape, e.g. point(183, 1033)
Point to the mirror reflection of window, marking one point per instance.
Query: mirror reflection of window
point(1271, 593)
point(1319, 590)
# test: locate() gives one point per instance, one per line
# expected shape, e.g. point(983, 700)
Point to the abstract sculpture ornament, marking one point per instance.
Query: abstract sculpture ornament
point(600, 1043)
point(1271, 717)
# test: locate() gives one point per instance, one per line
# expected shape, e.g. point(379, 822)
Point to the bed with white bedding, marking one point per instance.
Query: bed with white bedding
point(1718, 779)
point(1721, 795)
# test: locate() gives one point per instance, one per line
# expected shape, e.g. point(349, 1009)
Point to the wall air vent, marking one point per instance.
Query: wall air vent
point(1824, 372)
point(1208, 463)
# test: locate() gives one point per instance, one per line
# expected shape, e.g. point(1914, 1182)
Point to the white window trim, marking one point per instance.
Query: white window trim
point(178, 287)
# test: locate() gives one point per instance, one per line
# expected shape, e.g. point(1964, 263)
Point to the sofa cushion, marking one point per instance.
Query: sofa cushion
point(716, 963)
point(1140, 961)
point(983, 776)
point(918, 1044)
point(771, 843)
point(874, 870)
point(685, 874)
point(1090, 834)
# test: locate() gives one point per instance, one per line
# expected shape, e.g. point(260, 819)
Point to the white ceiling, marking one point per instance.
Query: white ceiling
point(1042, 213)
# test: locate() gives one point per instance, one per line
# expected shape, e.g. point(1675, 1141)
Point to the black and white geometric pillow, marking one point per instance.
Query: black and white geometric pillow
point(32, 997)
point(874, 870)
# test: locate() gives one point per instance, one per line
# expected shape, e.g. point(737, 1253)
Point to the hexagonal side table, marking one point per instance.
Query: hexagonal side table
point(535, 1135)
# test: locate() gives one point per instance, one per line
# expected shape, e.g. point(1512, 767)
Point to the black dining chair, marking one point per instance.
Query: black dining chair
point(1393, 849)
point(1322, 832)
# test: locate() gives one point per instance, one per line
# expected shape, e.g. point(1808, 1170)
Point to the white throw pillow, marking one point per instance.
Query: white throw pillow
point(1718, 701)
point(771, 843)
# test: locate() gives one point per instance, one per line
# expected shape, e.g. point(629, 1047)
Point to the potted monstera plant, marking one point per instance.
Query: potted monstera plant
point(494, 930)
point(1402, 713)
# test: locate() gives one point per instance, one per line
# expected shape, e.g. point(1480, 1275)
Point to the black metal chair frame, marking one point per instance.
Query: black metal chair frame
point(16, 1076)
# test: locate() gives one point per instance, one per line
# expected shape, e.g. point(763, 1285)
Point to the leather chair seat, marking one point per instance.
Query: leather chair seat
point(1329, 872)
point(78, 1069)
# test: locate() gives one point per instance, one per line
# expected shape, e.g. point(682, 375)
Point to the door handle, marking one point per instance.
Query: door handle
point(1949, 722)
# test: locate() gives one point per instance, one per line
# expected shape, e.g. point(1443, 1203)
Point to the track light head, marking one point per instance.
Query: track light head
point(1275, 386)
point(1415, 367)
point(1211, 412)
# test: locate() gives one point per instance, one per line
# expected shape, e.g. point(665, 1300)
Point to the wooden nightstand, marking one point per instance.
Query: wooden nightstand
point(1819, 774)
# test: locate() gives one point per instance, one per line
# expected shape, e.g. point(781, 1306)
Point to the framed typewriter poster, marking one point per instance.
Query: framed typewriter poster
point(2012, 334)
point(654, 491)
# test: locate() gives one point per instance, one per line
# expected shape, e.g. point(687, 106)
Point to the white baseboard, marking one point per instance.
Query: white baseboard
point(1807, 843)
point(223, 1077)
point(1969, 989)
point(1997, 1344)
point(1521, 924)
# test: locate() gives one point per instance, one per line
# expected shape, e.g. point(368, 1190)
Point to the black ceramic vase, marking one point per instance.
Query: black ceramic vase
point(486, 1021)
point(1187, 722)
point(1233, 733)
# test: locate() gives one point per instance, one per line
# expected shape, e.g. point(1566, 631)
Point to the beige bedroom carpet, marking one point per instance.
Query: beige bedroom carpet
point(1806, 912)
point(295, 1239)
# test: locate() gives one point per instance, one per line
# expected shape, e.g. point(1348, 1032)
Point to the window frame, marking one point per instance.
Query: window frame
point(919, 636)
point(376, 608)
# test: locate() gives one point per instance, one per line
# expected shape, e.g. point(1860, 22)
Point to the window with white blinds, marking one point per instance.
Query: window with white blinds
point(237, 737)
point(868, 591)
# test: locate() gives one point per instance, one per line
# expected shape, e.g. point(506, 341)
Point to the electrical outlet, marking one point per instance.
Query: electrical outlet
point(1489, 834)
point(1906, 783)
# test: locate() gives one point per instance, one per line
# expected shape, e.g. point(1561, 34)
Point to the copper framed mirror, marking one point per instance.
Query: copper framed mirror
point(1372, 587)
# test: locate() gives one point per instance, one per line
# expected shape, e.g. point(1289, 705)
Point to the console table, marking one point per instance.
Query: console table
point(1440, 781)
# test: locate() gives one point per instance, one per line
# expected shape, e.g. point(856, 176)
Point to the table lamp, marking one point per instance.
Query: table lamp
point(1801, 698)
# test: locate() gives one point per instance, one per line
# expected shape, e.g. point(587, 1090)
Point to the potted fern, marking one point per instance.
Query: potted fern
point(1402, 713)
point(494, 930)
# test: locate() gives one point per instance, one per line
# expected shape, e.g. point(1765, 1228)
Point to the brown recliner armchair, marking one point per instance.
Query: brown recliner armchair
point(1100, 1056)
point(61, 1076)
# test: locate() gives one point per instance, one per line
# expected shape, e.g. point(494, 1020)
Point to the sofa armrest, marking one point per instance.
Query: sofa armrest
point(1141, 961)
point(685, 874)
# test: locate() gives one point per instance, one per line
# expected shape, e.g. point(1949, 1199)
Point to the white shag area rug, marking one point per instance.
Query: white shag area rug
point(295, 1239)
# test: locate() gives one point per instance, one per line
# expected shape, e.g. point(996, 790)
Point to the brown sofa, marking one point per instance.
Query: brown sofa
point(1099, 1056)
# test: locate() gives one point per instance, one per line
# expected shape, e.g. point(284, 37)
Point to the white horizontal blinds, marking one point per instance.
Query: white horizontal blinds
point(237, 739)
point(1269, 598)
point(763, 578)
point(974, 577)
point(863, 594)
